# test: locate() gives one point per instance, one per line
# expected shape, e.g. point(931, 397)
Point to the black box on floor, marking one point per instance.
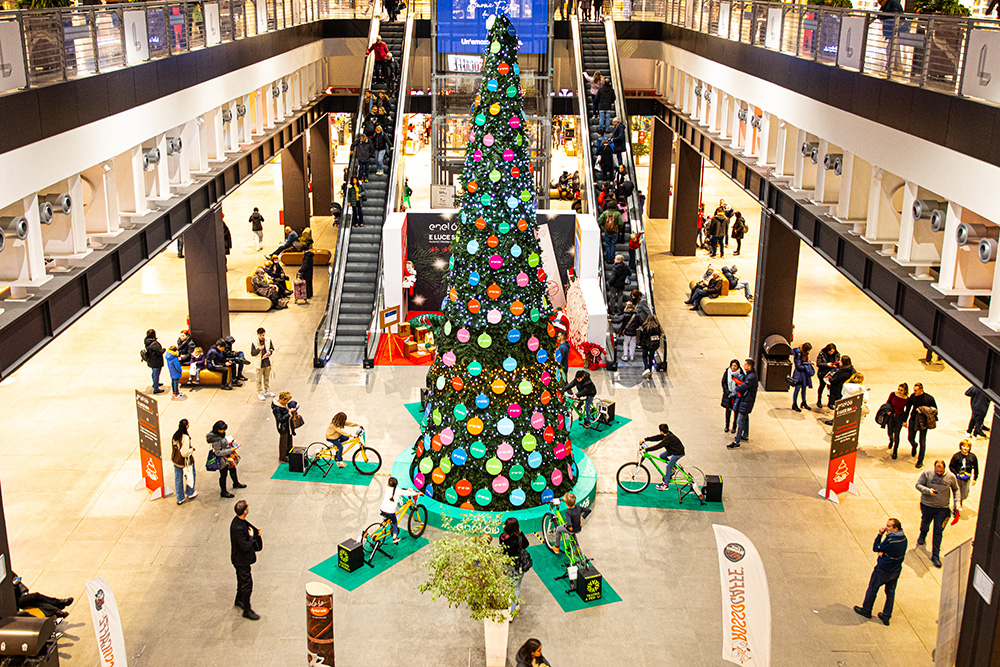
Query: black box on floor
point(609, 418)
point(589, 584)
point(350, 555)
point(297, 459)
point(713, 488)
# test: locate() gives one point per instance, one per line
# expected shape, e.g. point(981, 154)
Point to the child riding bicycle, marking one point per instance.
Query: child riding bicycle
point(673, 451)
point(337, 434)
point(574, 516)
point(388, 507)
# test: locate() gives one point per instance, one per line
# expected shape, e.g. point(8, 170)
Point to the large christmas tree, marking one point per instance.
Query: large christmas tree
point(496, 434)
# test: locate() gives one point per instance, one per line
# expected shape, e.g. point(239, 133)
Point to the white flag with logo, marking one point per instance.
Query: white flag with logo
point(746, 603)
point(107, 623)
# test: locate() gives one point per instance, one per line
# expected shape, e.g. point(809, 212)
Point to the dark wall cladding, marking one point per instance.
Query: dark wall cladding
point(66, 304)
point(101, 277)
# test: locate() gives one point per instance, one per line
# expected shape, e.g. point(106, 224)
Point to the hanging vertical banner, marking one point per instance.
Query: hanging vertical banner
point(136, 38)
point(746, 602)
point(150, 454)
point(319, 624)
point(213, 26)
point(260, 11)
point(12, 73)
point(772, 36)
point(724, 15)
point(107, 624)
point(843, 447)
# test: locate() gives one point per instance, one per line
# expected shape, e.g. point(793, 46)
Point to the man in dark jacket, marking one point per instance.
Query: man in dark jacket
point(237, 357)
point(840, 376)
point(718, 227)
point(917, 425)
point(154, 358)
point(381, 143)
point(605, 106)
point(980, 403)
point(891, 550)
point(257, 227)
point(586, 389)
point(605, 154)
point(363, 153)
point(673, 450)
point(215, 360)
point(746, 396)
point(617, 277)
point(711, 290)
point(291, 236)
point(245, 542)
point(618, 140)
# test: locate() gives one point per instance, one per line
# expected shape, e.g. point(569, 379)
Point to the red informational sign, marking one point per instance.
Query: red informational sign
point(150, 454)
point(642, 136)
point(843, 447)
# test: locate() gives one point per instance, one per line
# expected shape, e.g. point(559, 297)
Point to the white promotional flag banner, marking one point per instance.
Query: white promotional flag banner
point(107, 623)
point(746, 603)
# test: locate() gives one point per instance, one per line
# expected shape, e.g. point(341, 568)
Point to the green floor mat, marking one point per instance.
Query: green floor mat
point(330, 571)
point(548, 566)
point(581, 437)
point(348, 475)
point(667, 500)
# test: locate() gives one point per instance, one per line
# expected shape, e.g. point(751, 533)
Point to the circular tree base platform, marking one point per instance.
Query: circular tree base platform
point(448, 517)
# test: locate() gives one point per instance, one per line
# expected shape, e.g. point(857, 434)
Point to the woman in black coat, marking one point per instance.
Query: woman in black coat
point(154, 358)
point(283, 409)
point(513, 542)
point(828, 357)
point(731, 377)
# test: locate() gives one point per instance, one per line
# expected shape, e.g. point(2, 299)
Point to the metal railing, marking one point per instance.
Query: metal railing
point(66, 43)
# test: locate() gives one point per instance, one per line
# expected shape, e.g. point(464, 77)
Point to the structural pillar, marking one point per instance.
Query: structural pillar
point(777, 272)
point(684, 221)
point(207, 289)
point(8, 603)
point(295, 185)
point(660, 158)
point(321, 166)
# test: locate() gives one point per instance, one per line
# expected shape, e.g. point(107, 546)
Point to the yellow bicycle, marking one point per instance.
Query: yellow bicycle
point(366, 460)
point(374, 535)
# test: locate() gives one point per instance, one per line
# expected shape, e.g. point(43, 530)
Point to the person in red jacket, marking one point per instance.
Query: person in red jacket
point(634, 241)
point(381, 56)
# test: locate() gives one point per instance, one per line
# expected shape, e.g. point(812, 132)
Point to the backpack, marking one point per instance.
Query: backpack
point(651, 341)
point(524, 561)
point(610, 222)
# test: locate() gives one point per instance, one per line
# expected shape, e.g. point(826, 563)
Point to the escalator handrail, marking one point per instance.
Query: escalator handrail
point(643, 272)
point(392, 185)
point(328, 327)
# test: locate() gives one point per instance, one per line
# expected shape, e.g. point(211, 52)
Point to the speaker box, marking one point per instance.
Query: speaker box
point(350, 555)
point(610, 417)
point(713, 488)
point(589, 584)
point(297, 459)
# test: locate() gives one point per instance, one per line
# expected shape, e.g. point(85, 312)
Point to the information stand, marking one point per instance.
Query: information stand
point(843, 447)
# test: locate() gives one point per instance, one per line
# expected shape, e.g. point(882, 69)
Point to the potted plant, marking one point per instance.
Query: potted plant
point(467, 568)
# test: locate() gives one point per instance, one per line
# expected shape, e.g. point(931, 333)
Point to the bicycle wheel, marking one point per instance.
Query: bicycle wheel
point(416, 523)
point(549, 534)
point(366, 461)
point(697, 479)
point(371, 538)
point(633, 477)
point(313, 450)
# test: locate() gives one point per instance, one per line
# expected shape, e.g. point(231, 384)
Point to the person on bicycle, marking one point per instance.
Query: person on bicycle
point(337, 434)
point(585, 389)
point(673, 450)
point(574, 516)
point(388, 508)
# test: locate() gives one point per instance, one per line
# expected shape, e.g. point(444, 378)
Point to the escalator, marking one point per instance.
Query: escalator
point(355, 274)
point(595, 49)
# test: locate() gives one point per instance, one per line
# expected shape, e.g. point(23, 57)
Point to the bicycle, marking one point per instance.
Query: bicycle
point(366, 460)
point(374, 535)
point(598, 413)
point(567, 542)
point(633, 477)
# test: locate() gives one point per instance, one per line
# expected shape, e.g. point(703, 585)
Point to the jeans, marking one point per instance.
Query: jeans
point(363, 169)
point(394, 523)
point(338, 442)
point(912, 434)
point(244, 586)
point(881, 578)
point(671, 460)
point(648, 359)
point(175, 385)
point(610, 241)
point(179, 489)
point(604, 119)
point(800, 388)
point(712, 243)
point(697, 296)
point(894, 427)
point(357, 214)
point(976, 424)
point(380, 160)
point(516, 576)
point(239, 361)
point(940, 516)
point(742, 427)
point(745, 286)
point(156, 377)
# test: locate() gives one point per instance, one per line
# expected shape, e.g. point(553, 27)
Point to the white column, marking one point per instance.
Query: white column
point(195, 153)
point(245, 121)
point(33, 265)
point(131, 183)
point(101, 216)
point(159, 185)
point(949, 248)
point(257, 109)
point(734, 139)
point(992, 320)
point(178, 163)
point(288, 92)
point(267, 97)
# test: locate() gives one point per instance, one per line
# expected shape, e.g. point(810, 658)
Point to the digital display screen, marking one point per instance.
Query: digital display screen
point(461, 25)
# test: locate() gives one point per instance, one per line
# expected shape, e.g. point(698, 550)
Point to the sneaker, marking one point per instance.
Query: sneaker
point(662, 487)
point(341, 464)
point(181, 501)
point(647, 373)
point(733, 445)
point(269, 393)
point(395, 540)
point(861, 612)
point(193, 494)
point(261, 397)
point(159, 391)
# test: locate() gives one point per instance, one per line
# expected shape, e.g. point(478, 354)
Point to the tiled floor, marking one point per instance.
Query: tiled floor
point(70, 463)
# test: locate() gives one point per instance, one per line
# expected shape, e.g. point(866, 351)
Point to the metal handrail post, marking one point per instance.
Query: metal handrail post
point(62, 44)
point(92, 21)
point(864, 47)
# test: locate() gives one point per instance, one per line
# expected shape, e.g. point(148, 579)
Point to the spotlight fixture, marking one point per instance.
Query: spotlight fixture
point(834, 162)
point(241, 110)
point(742, 115)
point(61, 203)
point(14, 227)
point(808, 147)
point(988, 250)
point(284, 86)
point(174, 145)
point(967, 234)
point(275, 92)
point(925, 208)
point(227, 115)
point(45, 212)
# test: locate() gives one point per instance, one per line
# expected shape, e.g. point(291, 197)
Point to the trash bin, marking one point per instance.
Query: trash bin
point(775, 364)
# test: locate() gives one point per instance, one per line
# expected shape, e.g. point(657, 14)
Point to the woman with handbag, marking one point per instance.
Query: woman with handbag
point(223, 457)
point(802, 375)
point(182, 456)
point(515, 545)
point(284, 411)
point(897, 400)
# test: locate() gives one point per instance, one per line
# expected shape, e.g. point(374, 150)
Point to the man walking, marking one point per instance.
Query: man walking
point(921, 415)
point(980, 404)
point(257, 227)
point(246, 542)
point(890, 545)
point(261, 351)
point(938, 489)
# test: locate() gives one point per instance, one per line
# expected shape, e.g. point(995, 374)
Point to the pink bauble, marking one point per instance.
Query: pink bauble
point(505, 452)
point(537, 420)
point(488, 140)
point(515, 122)
point(477, 156)
point(514, 411)
point(493, 317)
point(546, 378)
point(496, 261)
point(463, 335)
point(556, 477)
point(508, 155)
point(533, 344)
point(448, 358)
point(500, 483)
point(522, 279)
point(560, 451)
point(447, 437)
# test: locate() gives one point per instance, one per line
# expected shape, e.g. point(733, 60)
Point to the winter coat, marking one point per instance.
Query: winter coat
point(825, 361)
point(185, 348)
point(630, 324)
point(610, 221)
point(714, 288)
point(607, 155)
point(256, 220)
point(154, 352)
point(729, 276)
point(926, 417)
point(181, 452)
point(803, 369)
point(355, 194)
point(618, 138)
point(595, 84)
point(282, 417)
point(619, 273)
point(727, 395)
point(718, 225)
point(739, 227)
point(173, 366)
point(642, 310)
point(980, 402)
point(646, 334)
point(381, 51)
point(606, 97)
point(584, 386)
point(747, 391)
point(219, 445)
point(363, 151)
point(381, 141)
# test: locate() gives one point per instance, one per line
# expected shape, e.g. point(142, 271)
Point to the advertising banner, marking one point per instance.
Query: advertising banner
point(213, 29)
point(151, 456)
point(461, 24)
point(982, 61)
point(843, 447)
point(852, 32)
point(772, 38)
point(319, 624)
point(107, 624)
point(136, 40)
point(746, 602)
point(11, 57)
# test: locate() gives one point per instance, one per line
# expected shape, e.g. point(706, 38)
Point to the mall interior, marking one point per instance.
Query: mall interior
point(139, 140)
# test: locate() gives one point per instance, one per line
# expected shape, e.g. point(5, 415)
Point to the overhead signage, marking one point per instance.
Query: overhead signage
point(461, 24)
point(136, 37)
point(981, 76)
point(772, 37)
point(213, 28)
point(464, 63)
point(852, 32)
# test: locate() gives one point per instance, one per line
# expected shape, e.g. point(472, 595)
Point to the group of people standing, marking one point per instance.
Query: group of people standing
point(714, 233)
point(567, 8)
point(739, 394)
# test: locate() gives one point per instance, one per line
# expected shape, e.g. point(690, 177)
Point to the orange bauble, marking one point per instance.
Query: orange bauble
point(493, 291)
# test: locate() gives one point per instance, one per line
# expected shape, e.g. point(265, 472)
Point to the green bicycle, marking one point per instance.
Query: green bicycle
point(633, 477)
point(566, 542)
point(374, 535)
point(598, 413)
